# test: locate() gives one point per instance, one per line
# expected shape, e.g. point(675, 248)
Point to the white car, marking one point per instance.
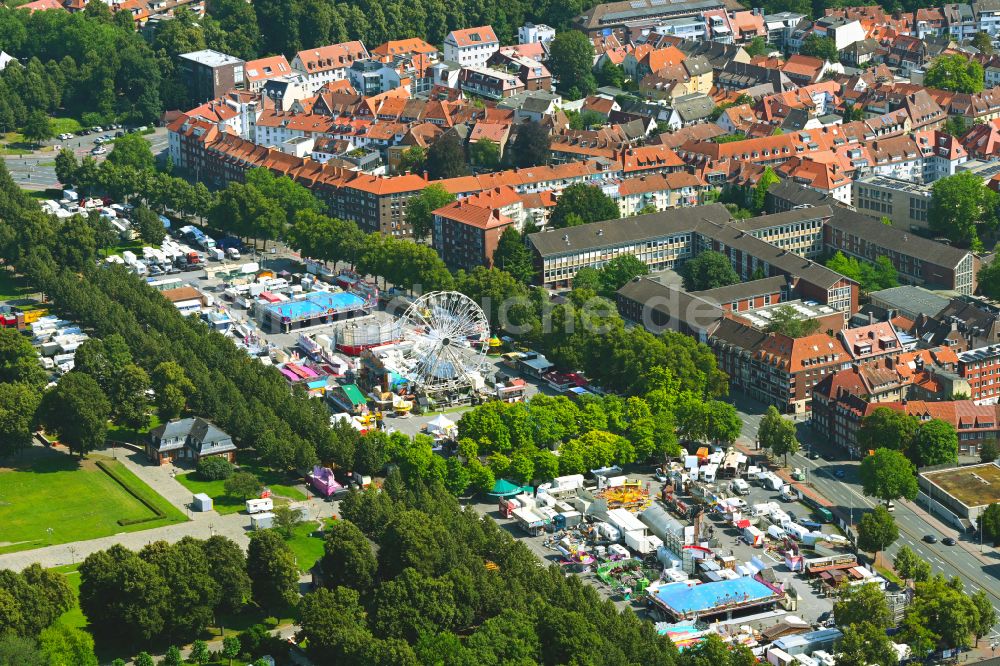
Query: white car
point(98, 151)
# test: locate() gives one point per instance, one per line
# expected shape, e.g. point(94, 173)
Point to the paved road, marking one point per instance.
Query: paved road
point(30, 174)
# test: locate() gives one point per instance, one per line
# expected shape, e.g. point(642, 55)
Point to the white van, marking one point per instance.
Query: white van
point(233, 253)
point(259, 505)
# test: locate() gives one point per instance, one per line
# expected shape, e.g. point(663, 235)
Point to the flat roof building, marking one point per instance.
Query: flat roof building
point(903, 202)
point(210, 74)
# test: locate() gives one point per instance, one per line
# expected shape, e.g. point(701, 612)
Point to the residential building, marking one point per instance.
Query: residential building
point(749, 296)
point(529, 33)
point(917, 260)
point(467, 235)
point(320, 66)
point(691, 28)
point(780, 27)
point(471, 47)
point(257, 72)
point(489, 83)
point(189, 439)
point(372, 77)
point(636, 15)
point(378, 204)
point(981, 368)
point(904, 203)
point(843, 32)
point(209, 74)
point(659, 307)
point(871, 342)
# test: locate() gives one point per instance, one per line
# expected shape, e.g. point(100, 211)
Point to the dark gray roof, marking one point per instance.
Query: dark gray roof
point(196, 433)
point(891, 238)
point(626, 230)
point(697, 65)
point(911, 299)
point(786, 217)
point(694, 106)
point(789, 194)
point(738, 335)
point(693, 310)
point(741, 290)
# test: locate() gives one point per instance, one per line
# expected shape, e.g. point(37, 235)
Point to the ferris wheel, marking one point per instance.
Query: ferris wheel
point(448, 335)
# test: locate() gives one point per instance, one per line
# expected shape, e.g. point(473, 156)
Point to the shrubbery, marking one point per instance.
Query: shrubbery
point(214, 468)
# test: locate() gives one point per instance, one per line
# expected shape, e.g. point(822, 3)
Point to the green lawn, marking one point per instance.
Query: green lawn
point(119, 433)
point(221, 502)
point(74, 617)
point(307, 544)
point(77, 501)
point(280, 483)
point(62, 125)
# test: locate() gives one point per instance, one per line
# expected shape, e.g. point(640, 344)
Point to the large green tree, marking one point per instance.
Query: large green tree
point(864, 644)
point(581, 203)
point(959, 205)
point(132, 150)
point(990, 519)
point(228, 565)
point(571, 61)
point(420, 209)
point(888, 475)
point(513, 256)
point(955, 72)
point(37, 128)
point(273, 571)
point(348, 558)
point(777, 434)
point(910, 566)
point(941, 616)
point(935, 443)
point(123, 596)
point(887, 428)
point(877, 530)
point(76, 410)
point(446, 158)
point(820, 47)
point(531, 145)
point(708, 270)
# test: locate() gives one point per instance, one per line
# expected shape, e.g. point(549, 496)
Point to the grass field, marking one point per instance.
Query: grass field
point(63, 125)
point(226, 504)
point(75, 500)
point(307, 544)
point(119, 433)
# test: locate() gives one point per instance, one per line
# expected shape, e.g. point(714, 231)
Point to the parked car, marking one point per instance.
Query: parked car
point(119, 134)
point(98, 151)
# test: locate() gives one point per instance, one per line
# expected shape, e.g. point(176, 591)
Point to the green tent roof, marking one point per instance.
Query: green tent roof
point(354, 394)
point(504, 488)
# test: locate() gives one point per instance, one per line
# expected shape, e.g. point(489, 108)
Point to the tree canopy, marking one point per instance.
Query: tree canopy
point(960, 204)
point(820, 47)
point(955, 72)
point(581, 203)
point(888, 475)
point(709, 270)
point(571, 61)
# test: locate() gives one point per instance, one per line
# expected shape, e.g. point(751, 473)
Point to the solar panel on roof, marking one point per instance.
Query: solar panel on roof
point(637, 4)
point(657, 3)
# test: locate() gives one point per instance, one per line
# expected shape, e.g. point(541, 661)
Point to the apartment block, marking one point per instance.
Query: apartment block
point(904, 203)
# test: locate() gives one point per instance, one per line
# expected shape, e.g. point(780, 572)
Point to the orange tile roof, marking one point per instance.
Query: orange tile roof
point(803, 65)
point(791, 354)
point(396, 47)
point(496, 132)
point(473, 215)
point(334, 56)
point(381, 186)
point(267, 68)
point(473, 36)
point(660, 58)
point(650, 157)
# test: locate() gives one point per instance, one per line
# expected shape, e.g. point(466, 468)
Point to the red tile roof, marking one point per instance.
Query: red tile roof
point(267, 68)
point(473, 36)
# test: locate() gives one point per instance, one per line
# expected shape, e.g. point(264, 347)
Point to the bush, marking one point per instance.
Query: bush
point(214, 469)
point(271, 622)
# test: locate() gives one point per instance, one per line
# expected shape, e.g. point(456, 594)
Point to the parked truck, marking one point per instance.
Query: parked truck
point(753, 536)
point(259, 505)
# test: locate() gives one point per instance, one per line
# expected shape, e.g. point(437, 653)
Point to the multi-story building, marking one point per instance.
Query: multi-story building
point(466, 235)
point(377, 204)
point(209, 74)
point(659, 307)
point(917, 260)
point(904, 203)
point(471, 47)
point(258, 72)
point(799, 231)
point(490, 83)
point(872, 342)
point(529, 33)
point(320, 66)
point(636, 15)
point(981, 368)
point(780, 27)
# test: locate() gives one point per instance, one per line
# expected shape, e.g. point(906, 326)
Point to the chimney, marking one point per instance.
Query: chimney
point(871, 318)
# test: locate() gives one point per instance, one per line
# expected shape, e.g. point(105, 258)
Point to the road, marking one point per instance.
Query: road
point(35, 171)
point(977, 570)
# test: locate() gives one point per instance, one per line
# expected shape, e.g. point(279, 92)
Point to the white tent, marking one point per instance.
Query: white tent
point(441, 425)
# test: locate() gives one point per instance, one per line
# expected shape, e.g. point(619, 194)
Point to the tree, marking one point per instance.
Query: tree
point(148, 225)
point(200, 653)
point(130, 406)
point(231, 648)
point(334, 625)
point(420, 209)
point(513, 256)
point(76, 410)
point(19, 402)
point(911, 567)
point(273, 572)
point(571, 59)
point(412, 159)
point(348, 558)
point(888, 475)
point(863, 644)
point(877, 530)
point(610, 74)
point(485, 153)
point(446, 158)
point(759, 192)
point(777, 434)
point(990, 519)
point(243, 485)
point(940, 616)
point(122, 595)
point(132, 151)
point(983, 42)
point(757, 47)
point(989, 451)
point(66, 166)
point(987, 614)
point(194, 591)
point(786, 320)
point(172, 389)
point(172, 657)
point(586, 202)
point(286, 519)
point(820, 47)
point(144, 659)
point(858, 604)
point(37, 127)
point(724, 422)
point(935, 443)
point(214, 468)
point(531, 145)
point(709, 270)
point(988, 278)
point(18, 361)
point(956, 73)
point(888, 429)
point(959, 204)
point(619, 271)
point(228, 564)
